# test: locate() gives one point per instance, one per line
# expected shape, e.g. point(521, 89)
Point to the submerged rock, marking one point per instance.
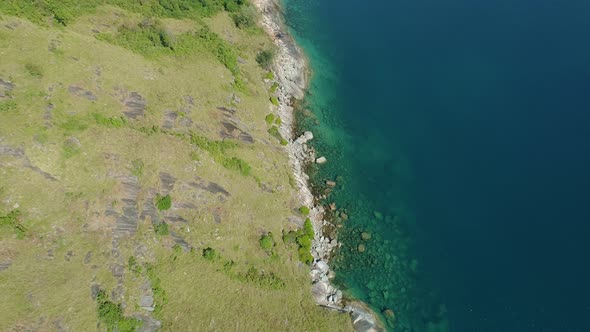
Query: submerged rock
point(361, 248)
point(366, 236)
point(321, 160)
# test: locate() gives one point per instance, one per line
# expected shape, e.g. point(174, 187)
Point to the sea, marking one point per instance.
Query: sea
point(458, 135)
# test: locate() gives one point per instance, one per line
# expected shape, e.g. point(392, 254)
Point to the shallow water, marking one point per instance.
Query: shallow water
point(465, 125)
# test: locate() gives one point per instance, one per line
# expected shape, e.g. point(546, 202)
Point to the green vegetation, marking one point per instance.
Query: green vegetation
point(274, 101)
point(218, 150)
point(303, 238)
point(265, 59)
point(137, 167)
point(7, 106)
point(161, 229)
point(269, 75)
point(34, 70)
point(270, 119)
point(12, 222)
point(237, 164)
point(274, 87)
point(113, 122)
point(134, 266)
point(163, 203)
point(274, 132)
point(160, 296)
point(304, 210)
point(267, 242)
point(86, 143)
point(245, 18)
point(111, 314)
point(210, 254)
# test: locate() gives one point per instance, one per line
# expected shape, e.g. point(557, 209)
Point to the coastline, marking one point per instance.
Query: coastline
point(292, 73)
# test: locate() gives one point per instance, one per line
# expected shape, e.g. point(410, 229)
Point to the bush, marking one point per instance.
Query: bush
point(305, 255)
point(308, 228)
point(160, 296)
point(304, 241)
point(304, 210)
point(270, 118)
point(163, 203)
point(274, 87)
point(269, 76)
point(111, 314)
point(274, 101)
point(267, 242)
point(210, 254)
point(274, 132)
point(161, 229)
point(265, 59)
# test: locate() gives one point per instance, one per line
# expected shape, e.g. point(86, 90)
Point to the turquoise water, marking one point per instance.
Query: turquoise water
point(458, 133)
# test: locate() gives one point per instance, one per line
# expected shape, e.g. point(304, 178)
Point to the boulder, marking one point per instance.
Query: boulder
point(321, 160)
point(308, 135)
point(366, 236)
point(322, 266)
point(330, 183)
point(361, 248)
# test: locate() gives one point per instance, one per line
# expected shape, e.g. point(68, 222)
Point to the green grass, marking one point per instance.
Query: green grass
point(34, 70)
point(161, 229)
point(112, 122)
point(12, 222)
point(69, 216)
point(7, 106)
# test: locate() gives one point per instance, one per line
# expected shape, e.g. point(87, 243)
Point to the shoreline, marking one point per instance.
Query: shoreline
point(292, 72)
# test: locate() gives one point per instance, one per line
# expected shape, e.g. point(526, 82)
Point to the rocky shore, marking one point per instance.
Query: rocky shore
point(291, 71)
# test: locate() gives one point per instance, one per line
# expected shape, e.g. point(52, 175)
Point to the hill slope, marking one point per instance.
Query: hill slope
point(137, 174)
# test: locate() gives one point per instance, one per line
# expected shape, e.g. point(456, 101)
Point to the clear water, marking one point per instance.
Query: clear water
point(465, 126)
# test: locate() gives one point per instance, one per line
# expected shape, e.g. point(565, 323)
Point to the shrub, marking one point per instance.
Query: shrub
point(304, 210)
point(270, 118)
point(265, 59)
point(269, 280)
point(274, 132)
point(210, 254)
point(304, 241)
point(274, 101)
point(161, 229)
point(163, 203)
point(267, 242)
point(274, 87)
point(308, 228)
point(290, 237)
point(305, 255)
point(111, 314)
point(269, 75)
point(160, 296)
point(244, 19)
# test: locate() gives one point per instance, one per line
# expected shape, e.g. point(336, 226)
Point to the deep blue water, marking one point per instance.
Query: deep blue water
point(467, 123)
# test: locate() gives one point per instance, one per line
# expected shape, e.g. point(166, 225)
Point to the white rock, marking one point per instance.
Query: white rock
point(322, 266)
point(321, 160)
point(308, 135)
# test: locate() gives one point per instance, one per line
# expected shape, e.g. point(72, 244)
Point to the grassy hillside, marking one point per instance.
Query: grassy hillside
point(138, 174)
